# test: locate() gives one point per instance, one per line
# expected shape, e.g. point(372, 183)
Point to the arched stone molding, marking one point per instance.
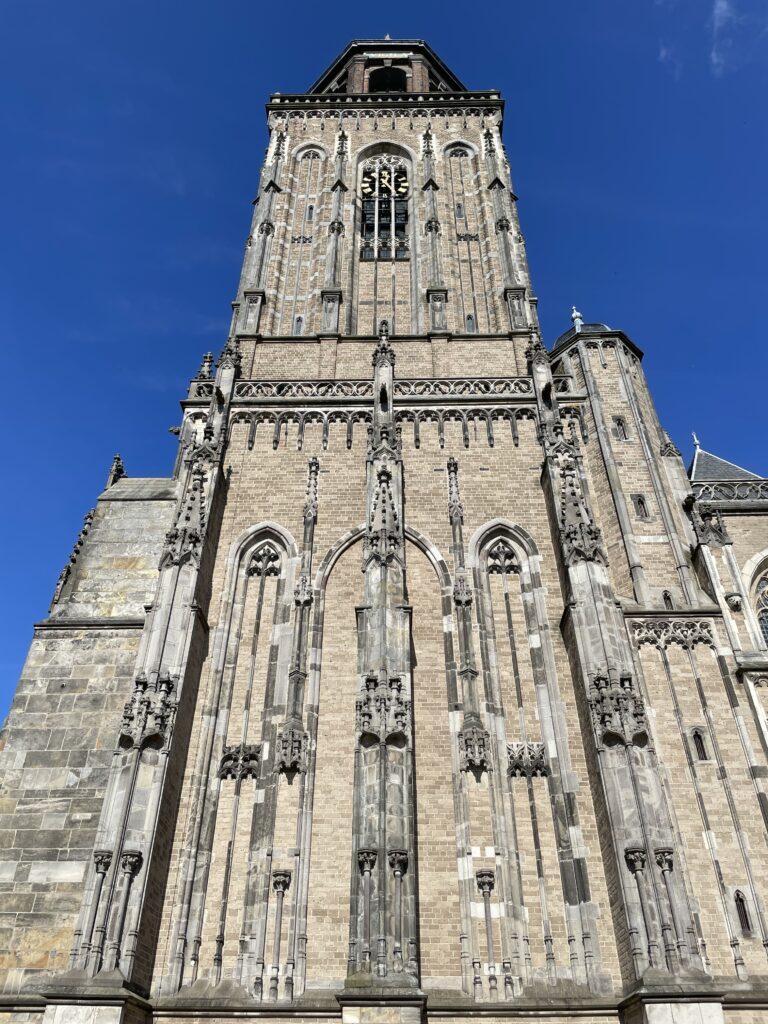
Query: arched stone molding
point(753, 568)
point(528, 756)
point(749, 577)
point(500, 527)
point(302, 148)
point(187, 928)
point(374, 149)
point(460, 144)
point(248, 539)
point(312, 707)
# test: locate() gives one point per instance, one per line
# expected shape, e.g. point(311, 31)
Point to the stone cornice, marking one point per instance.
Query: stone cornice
point(357, 102)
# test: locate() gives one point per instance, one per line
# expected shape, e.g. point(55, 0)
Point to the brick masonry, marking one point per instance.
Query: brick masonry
point(562, 808)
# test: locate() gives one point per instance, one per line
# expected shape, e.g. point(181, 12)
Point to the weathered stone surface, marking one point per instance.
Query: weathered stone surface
point(515, 765)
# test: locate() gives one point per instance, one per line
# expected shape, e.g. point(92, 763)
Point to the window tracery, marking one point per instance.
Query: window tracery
point(761, 595)
point(502, 559)
point(385, 191)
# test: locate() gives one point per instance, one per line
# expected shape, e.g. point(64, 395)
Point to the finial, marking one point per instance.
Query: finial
point(578, 319)
point(230, 355)
point(383, 353)
point(387, 36)
point(696, 442)
point(116, 471)
point(204, 373)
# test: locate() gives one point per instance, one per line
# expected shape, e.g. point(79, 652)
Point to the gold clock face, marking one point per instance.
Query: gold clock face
point(368, 186)
point(384, 181)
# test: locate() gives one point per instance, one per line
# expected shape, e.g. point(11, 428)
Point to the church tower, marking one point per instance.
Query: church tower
point(429, 685)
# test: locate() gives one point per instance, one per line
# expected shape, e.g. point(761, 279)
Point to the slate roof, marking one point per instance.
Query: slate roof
point(706, 466)
point(136, 488)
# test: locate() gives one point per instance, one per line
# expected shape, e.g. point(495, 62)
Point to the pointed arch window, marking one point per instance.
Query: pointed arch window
point(459, 211)
point(470, 324)
point(298, 325)
point(761, 595)
point(310, 213)
point(620, 428)
point(669, 604)
point(742, 911)
point(384, 196)
point(699, 745)
point(641, 506)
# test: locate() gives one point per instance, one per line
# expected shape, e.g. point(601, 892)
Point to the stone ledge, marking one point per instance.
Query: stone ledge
point(106, 623)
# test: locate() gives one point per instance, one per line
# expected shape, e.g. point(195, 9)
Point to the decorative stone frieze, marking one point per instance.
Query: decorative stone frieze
point(618, 711)
point(183, 541)
point(241, 761)
point(708, 524)
point(462, 590)
point(149, 714)
point(527, 759)
point(382, 710)
point(681, 631)
point(580, 536)
point(291, 750)
point(738, 491)
point(474, 749)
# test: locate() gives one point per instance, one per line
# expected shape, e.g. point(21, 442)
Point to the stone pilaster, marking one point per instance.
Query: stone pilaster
point(614, 719)
point(382, 943)
point(132, 846)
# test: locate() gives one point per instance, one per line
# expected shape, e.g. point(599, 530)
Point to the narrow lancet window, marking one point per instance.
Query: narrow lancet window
point(743, 913)
point(698, 743)
point(470, 324)
point(298, 325)
point(641, 506)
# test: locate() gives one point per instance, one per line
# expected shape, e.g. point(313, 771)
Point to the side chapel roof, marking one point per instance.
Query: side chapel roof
point(706, 466)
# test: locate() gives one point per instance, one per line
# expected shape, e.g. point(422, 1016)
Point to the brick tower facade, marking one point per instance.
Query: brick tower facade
point(429, 685)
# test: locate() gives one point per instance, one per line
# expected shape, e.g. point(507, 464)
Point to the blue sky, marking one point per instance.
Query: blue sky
point(132, 139)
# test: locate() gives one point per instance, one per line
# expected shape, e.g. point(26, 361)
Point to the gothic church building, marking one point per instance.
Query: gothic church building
point(430, 685)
